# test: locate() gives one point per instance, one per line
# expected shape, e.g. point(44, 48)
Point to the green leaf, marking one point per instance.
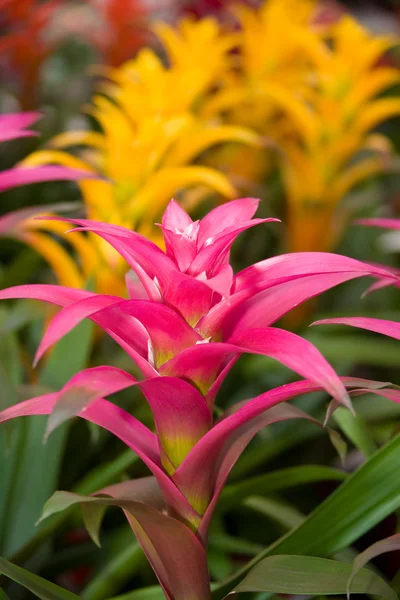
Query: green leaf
point(277, 481)
point(338, 443)
point(105, 474)
point(12, 435)
point(227, 543)
point(45, 590)
point(356, 430)
point(342, 518)
point(21, 269)
point(366, 349)
point(153, 592)
point(40, 475)
point(68, 356)
point(21, 314)
point(92, 518)
point(116, 572)
point(3, 595)
point(278, 511)
point(375, 412)
point(311, 576)
point(98, 478)
point(220, 557)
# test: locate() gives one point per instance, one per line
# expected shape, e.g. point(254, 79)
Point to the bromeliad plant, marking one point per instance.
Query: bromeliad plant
point(186, 322)
point(346, 106)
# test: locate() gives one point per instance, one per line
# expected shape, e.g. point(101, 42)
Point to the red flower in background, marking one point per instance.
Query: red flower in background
point(26, 37)
point(125, 29)
point(23, 45)
point(328, 12)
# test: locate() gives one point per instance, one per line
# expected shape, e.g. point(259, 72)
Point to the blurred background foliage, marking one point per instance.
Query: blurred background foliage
point(295, 102)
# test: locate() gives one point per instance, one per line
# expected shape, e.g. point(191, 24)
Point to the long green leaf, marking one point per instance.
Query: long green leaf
point(280, 512)
point(264, 451)
point(227, 543)
point(39, 464)
point(368, 350)
point(123, 566)
point(45, 590)
point(364, 499)
point(311, 576)
point(98, 478)
point(277, 481)
point(3, 595)
point(11, 434)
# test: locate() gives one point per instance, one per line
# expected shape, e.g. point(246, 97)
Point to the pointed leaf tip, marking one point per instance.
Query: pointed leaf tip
point(93, 515)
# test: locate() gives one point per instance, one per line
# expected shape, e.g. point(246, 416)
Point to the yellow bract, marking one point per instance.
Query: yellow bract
point(313, 93)
point(341, 152)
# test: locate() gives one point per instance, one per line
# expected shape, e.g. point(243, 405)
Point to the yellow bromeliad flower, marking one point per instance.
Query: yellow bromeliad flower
point(275, 45)
point(150, 145)
point(336, 148)
point(313, 92)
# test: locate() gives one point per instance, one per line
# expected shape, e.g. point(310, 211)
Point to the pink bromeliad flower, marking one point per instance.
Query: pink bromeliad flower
point(188, 318)
point(14, 126)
